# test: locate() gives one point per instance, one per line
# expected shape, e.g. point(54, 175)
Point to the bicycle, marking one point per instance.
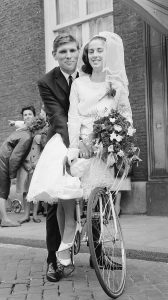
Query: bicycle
point(102, 217)
point(104, 233)
point(103, 223)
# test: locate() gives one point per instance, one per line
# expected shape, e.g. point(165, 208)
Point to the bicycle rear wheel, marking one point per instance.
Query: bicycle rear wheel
point(106, 242)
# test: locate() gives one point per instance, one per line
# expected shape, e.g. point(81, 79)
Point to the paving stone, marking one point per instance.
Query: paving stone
point(6, 285)
point(35, 289)
point(34, 297)
point(20, 288)
point(5, 291)
point(139, 296)
point(163, 288)
point(36, 282)
point(17, 297)
point(145, 280)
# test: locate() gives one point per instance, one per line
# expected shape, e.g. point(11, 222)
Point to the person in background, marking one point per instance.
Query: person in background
point(12, 153)
point(26, 170)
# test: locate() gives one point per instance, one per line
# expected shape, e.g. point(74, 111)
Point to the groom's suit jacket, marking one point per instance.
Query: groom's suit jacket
point(54, 91)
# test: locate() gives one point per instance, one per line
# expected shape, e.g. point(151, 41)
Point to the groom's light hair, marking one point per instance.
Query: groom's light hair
point(62, 39)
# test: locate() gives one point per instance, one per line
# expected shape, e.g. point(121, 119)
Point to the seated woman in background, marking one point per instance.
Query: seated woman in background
point(12, 153)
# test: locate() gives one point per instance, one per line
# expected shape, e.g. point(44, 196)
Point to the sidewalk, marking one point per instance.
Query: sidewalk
point(145, 237)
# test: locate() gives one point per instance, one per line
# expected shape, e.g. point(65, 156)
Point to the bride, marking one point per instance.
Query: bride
point(102, 71)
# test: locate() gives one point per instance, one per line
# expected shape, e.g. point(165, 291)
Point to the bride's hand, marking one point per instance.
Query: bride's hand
point(85, 151)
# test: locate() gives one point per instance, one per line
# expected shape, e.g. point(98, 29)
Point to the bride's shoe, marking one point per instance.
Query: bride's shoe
point(64, 261)
point(64, 247)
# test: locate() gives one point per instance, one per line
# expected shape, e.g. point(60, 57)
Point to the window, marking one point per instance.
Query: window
point(98, 5)
point(66, 10)
point(81, 18)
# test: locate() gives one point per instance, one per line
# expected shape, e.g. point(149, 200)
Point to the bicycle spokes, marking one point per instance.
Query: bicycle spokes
point(106, 242)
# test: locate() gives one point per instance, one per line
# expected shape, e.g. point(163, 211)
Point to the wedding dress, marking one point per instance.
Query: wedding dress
point(88, 101)
point(49, 181)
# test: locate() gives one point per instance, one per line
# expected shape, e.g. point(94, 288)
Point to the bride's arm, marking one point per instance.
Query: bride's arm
point(74, 123)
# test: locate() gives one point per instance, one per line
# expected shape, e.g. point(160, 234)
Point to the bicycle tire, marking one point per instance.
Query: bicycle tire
point(77, 243)
point(108, 252)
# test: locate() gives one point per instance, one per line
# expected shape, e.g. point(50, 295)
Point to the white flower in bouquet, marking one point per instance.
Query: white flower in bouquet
point(120, 153)
point(119, 138)
point(131, 131)
point(110, 148)
point(112, 120)
point(113, 136)
point(118, 128)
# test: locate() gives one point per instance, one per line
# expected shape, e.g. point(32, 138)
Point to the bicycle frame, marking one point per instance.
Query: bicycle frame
point(78, 216)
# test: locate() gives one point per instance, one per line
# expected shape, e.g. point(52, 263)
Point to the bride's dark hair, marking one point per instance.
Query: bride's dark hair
point(87, 68)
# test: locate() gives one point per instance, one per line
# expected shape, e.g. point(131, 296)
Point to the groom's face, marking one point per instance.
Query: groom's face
point(67, 57)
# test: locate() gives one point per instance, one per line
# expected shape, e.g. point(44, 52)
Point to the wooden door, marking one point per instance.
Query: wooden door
point(157, 75)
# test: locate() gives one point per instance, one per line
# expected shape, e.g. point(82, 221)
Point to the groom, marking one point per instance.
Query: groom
point(54, 90)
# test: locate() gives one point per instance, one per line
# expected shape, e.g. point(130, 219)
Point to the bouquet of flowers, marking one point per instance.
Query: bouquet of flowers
point(114, 140)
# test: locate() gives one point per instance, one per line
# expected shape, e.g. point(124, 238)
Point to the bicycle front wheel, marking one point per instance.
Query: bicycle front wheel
point(106, 242)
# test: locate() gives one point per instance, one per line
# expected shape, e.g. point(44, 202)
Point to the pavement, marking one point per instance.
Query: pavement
point(23, 263)
point(22, 277)
point(145, 237)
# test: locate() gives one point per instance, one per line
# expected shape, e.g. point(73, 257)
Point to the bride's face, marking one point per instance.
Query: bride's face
point(96, 50)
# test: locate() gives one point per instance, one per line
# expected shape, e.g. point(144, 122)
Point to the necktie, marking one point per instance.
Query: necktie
point(70, 81)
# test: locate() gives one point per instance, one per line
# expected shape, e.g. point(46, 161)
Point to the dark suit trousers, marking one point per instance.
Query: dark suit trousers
point(53, 238)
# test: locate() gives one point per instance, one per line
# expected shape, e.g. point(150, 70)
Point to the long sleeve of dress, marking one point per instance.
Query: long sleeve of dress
point(123, 106)
point(74, 122)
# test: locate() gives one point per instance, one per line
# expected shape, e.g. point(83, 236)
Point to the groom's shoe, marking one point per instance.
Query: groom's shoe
point(53, 273)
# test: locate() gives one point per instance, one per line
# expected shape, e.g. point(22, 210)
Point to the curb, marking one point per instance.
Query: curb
point(148, 255)
point(23, 242)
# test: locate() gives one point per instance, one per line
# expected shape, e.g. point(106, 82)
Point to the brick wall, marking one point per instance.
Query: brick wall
point(131, 28)
point(22, 58)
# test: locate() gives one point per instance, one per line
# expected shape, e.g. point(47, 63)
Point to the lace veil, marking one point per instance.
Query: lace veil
point(114, 64)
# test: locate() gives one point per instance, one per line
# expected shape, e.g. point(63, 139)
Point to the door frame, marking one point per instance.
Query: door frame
point(150, 136)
